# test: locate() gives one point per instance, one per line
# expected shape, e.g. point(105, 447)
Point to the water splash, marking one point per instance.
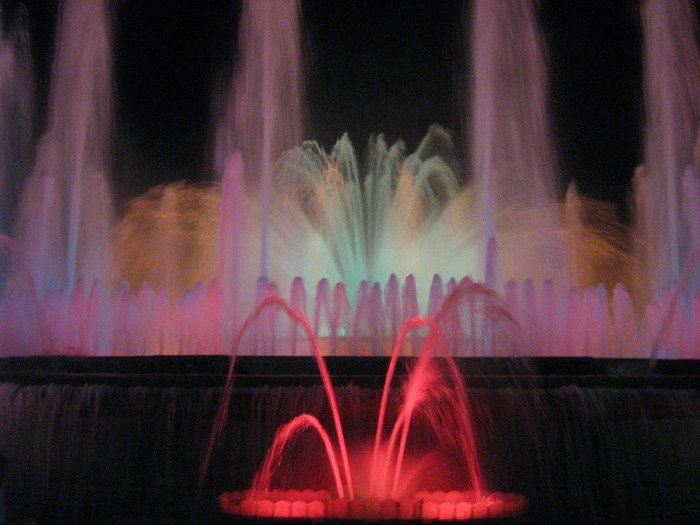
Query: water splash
point(263, 479)
point(365, 225)
point(222, 414)
point(24, 329)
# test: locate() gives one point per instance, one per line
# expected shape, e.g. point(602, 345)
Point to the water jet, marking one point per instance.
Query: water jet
point(398, 474)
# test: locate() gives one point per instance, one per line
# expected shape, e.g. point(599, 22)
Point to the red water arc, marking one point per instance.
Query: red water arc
point(221, 416)
point(435, 389)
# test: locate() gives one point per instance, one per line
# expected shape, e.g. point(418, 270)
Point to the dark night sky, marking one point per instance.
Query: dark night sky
point(382, 66)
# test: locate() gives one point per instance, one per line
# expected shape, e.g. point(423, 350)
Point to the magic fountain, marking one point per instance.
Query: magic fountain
point(373, 252)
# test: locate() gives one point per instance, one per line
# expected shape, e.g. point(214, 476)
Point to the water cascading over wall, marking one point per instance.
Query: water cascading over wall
point(597, 448)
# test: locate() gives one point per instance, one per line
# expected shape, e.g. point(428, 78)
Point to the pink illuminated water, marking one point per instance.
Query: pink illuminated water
point(263, 116)
point(667, 186)
point(66, 213)
point(16, 112)
point(360, 248)
point(263, 480)
point(512, 154)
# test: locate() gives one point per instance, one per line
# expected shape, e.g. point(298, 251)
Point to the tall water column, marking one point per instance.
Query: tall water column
point(667, 188)
point(513, 166)
point(66, 210)
point(263, 114)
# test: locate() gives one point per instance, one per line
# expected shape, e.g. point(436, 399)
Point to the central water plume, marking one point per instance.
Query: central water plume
point(364, 221)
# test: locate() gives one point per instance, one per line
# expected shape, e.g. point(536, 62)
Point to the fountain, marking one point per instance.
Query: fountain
point(367, 243)
point(403, 479)
point(579, 349)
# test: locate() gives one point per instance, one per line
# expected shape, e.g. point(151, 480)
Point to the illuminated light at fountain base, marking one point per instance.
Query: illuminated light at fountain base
point(424, 505)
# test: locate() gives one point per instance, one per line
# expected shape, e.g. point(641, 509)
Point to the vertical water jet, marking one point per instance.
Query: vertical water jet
point(75, 152)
